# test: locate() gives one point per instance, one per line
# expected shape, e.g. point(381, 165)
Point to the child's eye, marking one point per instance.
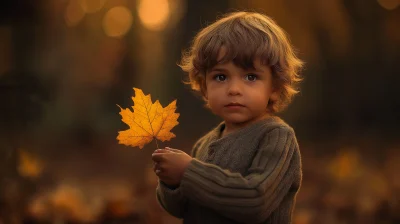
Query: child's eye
point(251, 77)
point(220, 77)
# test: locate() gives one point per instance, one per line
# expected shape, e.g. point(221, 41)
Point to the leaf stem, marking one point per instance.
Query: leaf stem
point(157, 144)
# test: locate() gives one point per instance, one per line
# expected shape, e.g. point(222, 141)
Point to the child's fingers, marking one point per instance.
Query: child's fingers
point(158, 166)
point(158, 157)
point(162, 151)
point(173, 150)
point(162, 175)
point(157, 169)
point(155, 166)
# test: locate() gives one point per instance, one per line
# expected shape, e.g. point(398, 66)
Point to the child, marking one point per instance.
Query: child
point(247, 169)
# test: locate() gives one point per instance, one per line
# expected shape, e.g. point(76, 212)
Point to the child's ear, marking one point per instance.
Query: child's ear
point(274, 95)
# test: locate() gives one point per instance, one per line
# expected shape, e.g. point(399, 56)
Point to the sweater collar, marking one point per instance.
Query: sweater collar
point(216, 133)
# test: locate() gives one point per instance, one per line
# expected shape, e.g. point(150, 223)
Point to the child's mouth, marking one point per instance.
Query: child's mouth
point(234, 106)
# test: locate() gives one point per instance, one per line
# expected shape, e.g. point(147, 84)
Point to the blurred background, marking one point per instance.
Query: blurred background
point(66, 64)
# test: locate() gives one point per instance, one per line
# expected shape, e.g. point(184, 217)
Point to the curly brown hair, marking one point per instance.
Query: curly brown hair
point(245, 36)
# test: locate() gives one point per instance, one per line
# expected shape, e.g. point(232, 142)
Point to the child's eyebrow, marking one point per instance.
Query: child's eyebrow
point(218, 70)
point(256, 70)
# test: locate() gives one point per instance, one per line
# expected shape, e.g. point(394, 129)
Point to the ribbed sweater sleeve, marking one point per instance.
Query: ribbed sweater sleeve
point(172, 200)
point(251, 198)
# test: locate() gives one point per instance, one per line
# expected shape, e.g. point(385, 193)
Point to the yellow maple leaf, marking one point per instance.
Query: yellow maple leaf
point(147, 121)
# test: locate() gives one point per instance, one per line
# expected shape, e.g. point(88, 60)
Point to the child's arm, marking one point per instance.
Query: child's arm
point(172, 199)
point(250, 198)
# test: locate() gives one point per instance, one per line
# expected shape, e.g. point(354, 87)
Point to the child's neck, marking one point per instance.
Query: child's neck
point(232, 127)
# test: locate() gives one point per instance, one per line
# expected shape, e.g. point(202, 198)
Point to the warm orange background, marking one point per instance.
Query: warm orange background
point(65, 65)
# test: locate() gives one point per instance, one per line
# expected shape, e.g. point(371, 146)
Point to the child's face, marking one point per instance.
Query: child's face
point(239, 96)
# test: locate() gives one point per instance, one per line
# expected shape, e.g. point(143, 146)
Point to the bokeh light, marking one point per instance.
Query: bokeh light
point(91, 6)
point(154, 14)
point(73, 13)
point(29, 165)
point(117, 21)
point(389, 4)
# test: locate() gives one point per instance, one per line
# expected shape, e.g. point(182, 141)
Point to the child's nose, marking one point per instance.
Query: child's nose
point(234, 88)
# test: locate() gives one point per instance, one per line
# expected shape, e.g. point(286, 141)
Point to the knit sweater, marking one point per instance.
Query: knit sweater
point(251, 175)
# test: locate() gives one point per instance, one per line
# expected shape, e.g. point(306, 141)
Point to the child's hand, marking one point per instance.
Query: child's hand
point(170, 164)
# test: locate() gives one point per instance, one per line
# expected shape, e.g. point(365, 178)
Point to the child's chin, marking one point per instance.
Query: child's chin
point(236, 119)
